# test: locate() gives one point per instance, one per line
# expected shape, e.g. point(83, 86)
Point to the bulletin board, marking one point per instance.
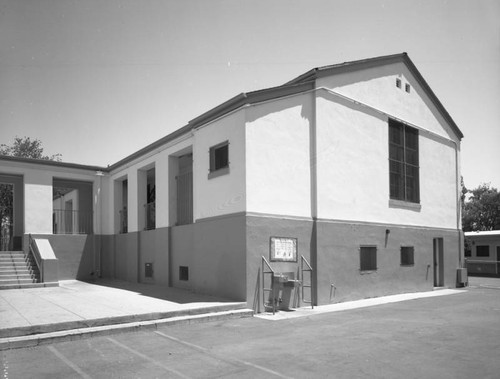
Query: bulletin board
point(283, 249)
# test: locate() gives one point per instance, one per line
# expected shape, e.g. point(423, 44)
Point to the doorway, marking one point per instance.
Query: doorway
point(68, 216)
point(438, 262)
point(498, 260)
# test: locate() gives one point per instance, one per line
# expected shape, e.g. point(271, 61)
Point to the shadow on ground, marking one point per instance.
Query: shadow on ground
point(176, 295)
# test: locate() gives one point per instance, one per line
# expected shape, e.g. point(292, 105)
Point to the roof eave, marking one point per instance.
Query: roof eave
point(47, 162)
point(249, 98)
point(324, 71)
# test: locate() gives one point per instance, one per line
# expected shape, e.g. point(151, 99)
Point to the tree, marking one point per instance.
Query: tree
point(482, 209)
point(27, 148)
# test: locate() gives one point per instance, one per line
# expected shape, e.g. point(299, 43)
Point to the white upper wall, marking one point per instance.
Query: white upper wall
point(133, 172)
point(225, 194)
point(353, 166)
point(278, 156)
point(270, 166)
point(38, 191)
point(377, 87)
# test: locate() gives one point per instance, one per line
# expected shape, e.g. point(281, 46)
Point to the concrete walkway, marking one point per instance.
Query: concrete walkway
point(356, 304)
point(79, 305)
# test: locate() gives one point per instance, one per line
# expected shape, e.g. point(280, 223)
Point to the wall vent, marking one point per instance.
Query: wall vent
point(148, 270)
point(183, 273)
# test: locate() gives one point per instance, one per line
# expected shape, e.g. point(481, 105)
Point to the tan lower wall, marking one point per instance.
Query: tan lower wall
point(75, 254)
point(212, 251)
point(223, 257)
point(332, 248)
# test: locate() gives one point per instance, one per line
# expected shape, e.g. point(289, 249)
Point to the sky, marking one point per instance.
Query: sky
point(97, 80)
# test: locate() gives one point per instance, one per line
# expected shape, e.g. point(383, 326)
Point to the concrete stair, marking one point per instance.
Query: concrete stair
point(18, 271)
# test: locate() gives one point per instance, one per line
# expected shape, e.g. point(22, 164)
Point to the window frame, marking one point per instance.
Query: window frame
point(404, 164)
point(404, 251)
point(214, 170)
point(483, 255)
point(372, 261)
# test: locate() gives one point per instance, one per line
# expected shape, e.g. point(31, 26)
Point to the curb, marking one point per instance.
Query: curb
point(105, 321)
point(88, 332)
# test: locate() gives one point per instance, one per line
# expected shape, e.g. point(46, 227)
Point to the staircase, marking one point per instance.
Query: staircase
point(18, 271)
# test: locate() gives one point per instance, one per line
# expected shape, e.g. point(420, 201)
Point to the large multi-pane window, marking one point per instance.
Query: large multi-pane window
point(403, 162)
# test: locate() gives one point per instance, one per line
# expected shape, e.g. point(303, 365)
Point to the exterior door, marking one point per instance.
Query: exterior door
point(498, 260)
point(438, 262)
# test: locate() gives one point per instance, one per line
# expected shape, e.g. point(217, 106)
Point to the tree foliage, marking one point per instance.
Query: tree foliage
point(481, 210)
point(27, 148)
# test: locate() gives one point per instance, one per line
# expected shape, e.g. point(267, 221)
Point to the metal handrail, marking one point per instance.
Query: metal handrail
point(265, 263)
point(479, 261)
point(72, 221)
point(310, 285)
point(33, 250)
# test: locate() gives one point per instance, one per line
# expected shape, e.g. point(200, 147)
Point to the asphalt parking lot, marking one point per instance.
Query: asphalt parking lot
point(453, 336)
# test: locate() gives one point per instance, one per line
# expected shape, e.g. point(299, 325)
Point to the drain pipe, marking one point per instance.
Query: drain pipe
point(97, 260)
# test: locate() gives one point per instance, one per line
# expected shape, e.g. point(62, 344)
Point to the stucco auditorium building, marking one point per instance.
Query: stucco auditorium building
point(352, 169)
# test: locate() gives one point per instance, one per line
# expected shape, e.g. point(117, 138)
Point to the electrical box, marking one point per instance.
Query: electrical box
point(462, 277)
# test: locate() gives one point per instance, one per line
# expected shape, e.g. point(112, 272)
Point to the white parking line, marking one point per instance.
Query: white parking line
point(228, 360)
point(77, 369)
point(149, 359)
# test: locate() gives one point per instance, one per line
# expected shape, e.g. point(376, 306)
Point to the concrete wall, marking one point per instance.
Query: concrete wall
point(333, 250)
point(224, 194)
point(76, 254)
point(135, 173)
point(125, 257)
point(38, 181)
point(377, 88)
point(37, 202)
point(278, 178)
point(259, 231)
point(214, 252)
point(153, 247)
point(339, 260)
point(353, 170)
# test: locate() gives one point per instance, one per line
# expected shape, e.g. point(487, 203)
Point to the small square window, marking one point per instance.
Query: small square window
point(219, 159)
point(183, 273)
point(398, 83)
point(407, 87)
point(407, 256)
point(368, 258)
point(483, 251)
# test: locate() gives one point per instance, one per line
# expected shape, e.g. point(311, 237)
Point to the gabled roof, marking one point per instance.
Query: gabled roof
point(335, 69)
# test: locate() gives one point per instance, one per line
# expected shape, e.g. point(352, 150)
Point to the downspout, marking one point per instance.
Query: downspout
point(97, 261)
point(314, 200)
point(459, 207)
